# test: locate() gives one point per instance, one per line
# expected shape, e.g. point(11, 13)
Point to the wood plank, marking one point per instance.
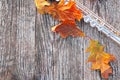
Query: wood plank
point(18, 39)
point(67, 53)
point(29, 50)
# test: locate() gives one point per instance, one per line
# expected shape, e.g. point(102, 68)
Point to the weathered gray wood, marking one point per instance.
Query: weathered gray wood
point(30, 51)
point(17, 39)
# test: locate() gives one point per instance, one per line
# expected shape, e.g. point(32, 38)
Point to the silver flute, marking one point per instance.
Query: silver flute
point(95, 21)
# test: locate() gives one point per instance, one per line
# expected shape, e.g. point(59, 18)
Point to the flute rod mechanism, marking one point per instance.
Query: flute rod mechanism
point(96, 21)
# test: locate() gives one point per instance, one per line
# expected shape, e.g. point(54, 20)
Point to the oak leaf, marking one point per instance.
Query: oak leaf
point(100, 60)
point(67, 28)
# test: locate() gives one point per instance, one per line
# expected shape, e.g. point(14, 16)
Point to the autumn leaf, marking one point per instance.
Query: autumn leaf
point(67, 28)
point(100, 60)
point(41, 5)
point(69, 11)
point(62, 11)
point(66, 13)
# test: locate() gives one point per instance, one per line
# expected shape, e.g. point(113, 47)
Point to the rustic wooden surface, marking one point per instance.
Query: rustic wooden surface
point(30, 51)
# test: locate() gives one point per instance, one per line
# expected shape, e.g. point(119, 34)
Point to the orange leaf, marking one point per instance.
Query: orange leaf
point(66, 13)
point(67, 28)
point(62, 11)
point(100, 59)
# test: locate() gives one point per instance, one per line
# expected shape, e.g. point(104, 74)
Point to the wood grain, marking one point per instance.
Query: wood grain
point(30, 51)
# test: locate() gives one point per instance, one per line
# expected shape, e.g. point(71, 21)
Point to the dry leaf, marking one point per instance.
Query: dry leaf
point(67, 28)
point(65, 13)
point(100, 59)
point(62, 11)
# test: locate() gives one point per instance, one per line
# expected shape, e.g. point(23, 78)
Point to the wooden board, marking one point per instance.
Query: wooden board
point(30, 51)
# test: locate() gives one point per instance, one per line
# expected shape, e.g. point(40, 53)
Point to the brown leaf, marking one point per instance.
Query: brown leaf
point(68, 28)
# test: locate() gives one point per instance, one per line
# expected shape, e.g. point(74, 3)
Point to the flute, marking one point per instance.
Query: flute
point(95, 21)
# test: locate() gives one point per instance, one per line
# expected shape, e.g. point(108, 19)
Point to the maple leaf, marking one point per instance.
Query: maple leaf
point(42, 5)
point(100, 59)
point(66, 13)
point(62, 11)
point(67, 28)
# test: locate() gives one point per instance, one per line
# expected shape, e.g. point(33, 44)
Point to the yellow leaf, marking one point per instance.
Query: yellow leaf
point(41, 4)
point(100, 60)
